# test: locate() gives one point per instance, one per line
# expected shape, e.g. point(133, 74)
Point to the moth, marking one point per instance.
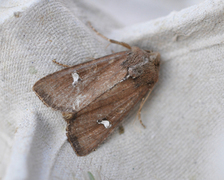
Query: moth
point(94, 97)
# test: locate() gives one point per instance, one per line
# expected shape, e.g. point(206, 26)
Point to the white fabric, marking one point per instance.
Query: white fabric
point(184, 116)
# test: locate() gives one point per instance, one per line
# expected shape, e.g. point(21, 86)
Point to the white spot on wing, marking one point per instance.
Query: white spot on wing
point(75, 77)
point(106, 123)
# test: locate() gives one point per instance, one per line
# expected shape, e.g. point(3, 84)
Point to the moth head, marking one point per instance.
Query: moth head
point(155, 58)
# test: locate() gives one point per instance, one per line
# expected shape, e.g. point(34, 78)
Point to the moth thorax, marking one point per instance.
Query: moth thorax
point(138, 69)
point(135, 72)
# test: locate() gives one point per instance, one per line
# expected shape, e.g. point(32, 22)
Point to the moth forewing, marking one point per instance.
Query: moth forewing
point(84, 133)
point(58, 91)
point(94, 97)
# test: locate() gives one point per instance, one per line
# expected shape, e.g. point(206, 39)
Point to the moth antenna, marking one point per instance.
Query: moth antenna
point(64, 65)
point(140, 108)
point(110, 40)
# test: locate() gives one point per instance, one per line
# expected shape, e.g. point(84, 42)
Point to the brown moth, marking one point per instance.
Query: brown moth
point(94, 97)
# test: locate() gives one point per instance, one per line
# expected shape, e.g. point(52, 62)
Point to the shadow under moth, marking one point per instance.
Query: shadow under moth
point(94, 97)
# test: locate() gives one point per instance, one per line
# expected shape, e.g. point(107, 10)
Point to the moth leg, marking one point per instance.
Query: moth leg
point(140, 108)
point(110, 40)
point(64, 65)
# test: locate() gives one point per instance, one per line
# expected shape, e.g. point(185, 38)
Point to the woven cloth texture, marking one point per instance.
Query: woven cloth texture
point(184, 117)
